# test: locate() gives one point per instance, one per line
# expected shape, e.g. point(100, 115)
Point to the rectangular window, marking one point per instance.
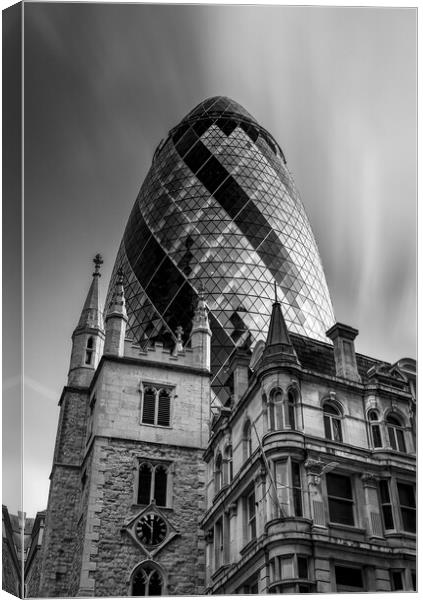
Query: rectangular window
point(302, 564)
point(413, 580)
point(296, 489)
point(397, 580)
point(407, 500)
point(377, 440)
point(385, 498)
point(348, 579)
point(218, 543)
point(251, 516)
point(340, 499)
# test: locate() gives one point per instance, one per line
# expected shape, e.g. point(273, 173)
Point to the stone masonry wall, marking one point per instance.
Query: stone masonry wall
point(58, 547)
point(113, 553)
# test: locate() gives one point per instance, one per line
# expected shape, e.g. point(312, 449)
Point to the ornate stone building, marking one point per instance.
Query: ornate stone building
point(311, 470)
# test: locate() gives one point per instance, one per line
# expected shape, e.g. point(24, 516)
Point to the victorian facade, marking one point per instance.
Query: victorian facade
point(311, 470)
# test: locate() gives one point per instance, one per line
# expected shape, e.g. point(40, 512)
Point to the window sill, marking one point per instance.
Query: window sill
point(400, 534)
point(165, 508)
point(221, 492)
point(154, 425)
point(352, 528)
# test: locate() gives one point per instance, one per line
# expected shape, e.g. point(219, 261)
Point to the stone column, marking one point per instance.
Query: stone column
point(313, 469)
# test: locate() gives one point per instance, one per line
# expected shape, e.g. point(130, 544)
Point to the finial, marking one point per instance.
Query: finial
point(201, 292)
point(98, 261)
point(179, 332)
point(276, 291)
point(119, 280)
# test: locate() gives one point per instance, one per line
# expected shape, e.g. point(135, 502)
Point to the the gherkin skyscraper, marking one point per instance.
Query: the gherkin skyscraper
point(219, 211)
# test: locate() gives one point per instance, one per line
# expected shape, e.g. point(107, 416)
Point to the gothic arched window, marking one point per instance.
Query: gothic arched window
point(275, 409)
point(228, 472)
point(374, 425)
point(247, 441)
point(152, 484)
point(89, 349)
point(155, 407)
point(147, 580)
point(395, 433)
point(218, 473)
point(290, 409)
point(332, 422)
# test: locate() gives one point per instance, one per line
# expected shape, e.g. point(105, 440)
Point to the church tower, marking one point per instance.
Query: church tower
point(128, 479)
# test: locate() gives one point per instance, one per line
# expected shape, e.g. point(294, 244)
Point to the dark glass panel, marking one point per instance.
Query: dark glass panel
point(401, 441)
point(160, 485)
point(328, 431)
point(341, 511)
point(397, 581)
point(406, 494)
point(377, 439)
point(393, 421)
point(339, 486)
point(138, 584)
point(392, 438)
point(348, 576)
point(388, 520)
point(144, 484)
point(197, 156)
point(155, 584)
point(302, 567)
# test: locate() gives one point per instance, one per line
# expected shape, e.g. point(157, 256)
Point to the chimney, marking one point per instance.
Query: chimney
point(343, 338)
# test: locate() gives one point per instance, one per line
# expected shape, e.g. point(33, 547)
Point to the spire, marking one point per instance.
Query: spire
point(116, 319)
point(201, 333)
point(88, 336)
point(92, 315)
point(201, 321)
point(278, 345)
point(117, 305)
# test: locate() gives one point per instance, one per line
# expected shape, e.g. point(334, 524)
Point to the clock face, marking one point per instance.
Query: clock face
point(151, 529)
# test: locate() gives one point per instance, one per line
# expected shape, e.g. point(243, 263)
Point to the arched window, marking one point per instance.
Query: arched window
point(152, 484)
point(247, 441)
point(89, 349)
point(375, 429)
point(290, 409)
point(275, 409)
point(395, 433)
point(147, 580)
point(218, 473)
point(332, 422)
point(228, 474)
point(155, 407)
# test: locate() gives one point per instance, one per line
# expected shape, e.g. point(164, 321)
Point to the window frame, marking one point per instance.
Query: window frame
point(296, 490)
point(375, 428)
point(218, 473)
point(396, 433)
point(155, 569)
point(385, 497)
point(407, 507)
point(341, 499)
point(251, 515)
point(158, 392)
point(89, 351)
point(329, 418)
point(153, 465)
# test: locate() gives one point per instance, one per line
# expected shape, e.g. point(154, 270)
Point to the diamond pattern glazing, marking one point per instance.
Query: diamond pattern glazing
point(219, 210)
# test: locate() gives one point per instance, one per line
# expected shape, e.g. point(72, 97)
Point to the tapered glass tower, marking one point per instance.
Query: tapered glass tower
point(219, 211)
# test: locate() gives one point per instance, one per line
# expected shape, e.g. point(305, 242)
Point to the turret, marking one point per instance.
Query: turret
point(201, 334)
point(116, 319)
point(278, 349)
point(88, 337)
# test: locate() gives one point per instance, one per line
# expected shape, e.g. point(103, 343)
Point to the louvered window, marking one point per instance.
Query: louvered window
point(163, 415)
point(156, 407)
point(149, 407)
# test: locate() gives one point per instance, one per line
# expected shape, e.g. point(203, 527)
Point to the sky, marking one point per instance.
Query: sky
point(336, 87)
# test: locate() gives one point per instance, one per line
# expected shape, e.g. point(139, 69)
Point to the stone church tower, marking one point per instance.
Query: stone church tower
point(127, 483)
